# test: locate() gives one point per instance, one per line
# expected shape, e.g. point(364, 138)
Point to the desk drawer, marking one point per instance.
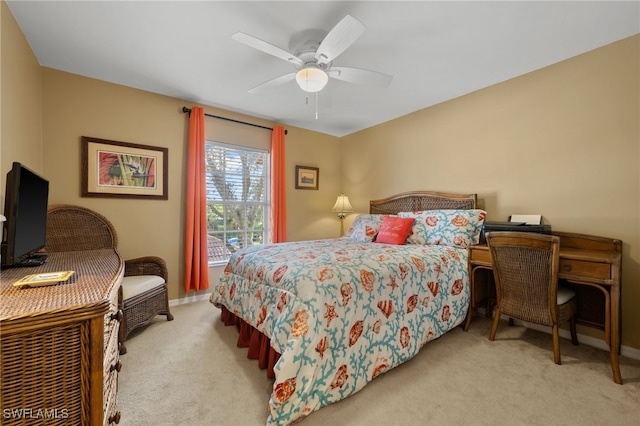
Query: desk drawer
point(480, 256)
point(601, 271)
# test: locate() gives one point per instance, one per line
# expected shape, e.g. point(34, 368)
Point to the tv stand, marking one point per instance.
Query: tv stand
point(33, 260)
point(36, 259)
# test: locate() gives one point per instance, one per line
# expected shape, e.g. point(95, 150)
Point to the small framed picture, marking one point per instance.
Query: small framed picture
point(307, 177)
point(123, 170)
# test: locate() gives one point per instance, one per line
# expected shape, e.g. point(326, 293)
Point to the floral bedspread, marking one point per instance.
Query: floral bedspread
point(342, 312)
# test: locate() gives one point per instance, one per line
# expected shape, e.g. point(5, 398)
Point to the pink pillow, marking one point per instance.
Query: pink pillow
point(394, 230)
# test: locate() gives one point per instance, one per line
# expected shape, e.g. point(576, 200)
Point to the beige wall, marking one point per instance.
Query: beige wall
point(45, 112)
point(563, 142)
point(20, 100)
point(76, 106)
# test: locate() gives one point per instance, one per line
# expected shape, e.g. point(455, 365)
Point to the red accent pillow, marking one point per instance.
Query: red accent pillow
point(395, 230)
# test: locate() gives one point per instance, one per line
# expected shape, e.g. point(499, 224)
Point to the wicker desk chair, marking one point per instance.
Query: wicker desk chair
point(525, 267)
point(143, 293)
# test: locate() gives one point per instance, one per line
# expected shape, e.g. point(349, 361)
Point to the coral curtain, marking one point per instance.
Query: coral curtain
point(278, 187)
point(196, 273)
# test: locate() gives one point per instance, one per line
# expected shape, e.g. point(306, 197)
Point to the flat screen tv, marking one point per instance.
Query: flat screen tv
point(25, 208)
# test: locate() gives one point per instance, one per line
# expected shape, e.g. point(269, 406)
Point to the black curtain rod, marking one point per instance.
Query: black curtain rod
point(188, 110)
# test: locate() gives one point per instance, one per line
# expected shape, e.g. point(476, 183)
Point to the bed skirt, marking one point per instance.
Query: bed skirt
point(258, 344)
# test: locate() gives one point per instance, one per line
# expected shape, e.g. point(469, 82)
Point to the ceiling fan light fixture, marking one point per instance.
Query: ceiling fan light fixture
point(312, 79)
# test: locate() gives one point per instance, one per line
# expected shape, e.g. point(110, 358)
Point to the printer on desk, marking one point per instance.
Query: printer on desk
point(518, 223)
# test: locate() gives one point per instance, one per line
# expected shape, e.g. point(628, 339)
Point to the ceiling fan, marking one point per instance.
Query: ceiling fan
point(313, 59)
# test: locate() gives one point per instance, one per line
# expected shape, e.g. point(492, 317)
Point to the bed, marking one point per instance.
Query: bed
point(326, 317)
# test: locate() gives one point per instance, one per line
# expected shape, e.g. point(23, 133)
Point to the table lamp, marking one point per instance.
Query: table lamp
point(342, 207)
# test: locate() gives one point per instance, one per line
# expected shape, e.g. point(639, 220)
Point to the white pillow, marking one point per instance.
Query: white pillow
point(365, 227)
point(457, 228)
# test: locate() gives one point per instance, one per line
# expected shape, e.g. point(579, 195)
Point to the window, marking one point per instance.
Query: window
point(237, 198)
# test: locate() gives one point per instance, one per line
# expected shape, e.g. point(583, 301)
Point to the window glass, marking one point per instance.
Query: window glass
point(237, 198)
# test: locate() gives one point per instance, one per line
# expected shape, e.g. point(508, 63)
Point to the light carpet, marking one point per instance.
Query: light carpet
point(190, 372)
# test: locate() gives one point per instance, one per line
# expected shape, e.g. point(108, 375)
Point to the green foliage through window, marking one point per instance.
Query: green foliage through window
point(237, 198)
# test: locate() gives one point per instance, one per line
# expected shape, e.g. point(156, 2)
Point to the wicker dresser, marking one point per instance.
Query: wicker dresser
point(59, 344)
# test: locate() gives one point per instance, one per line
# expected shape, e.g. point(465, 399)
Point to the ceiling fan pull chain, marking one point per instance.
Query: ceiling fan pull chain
point(316, 105)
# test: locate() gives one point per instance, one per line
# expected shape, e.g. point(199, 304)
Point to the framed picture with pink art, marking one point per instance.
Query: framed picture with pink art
point(123, 170)
point(307, 177)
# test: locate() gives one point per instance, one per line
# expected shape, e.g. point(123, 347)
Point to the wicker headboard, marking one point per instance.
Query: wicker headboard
point(422, 200)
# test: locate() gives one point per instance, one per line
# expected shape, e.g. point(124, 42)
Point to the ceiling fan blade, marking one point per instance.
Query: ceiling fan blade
point(360, 76)
point(278, 81)
point(265, 47)
point(343, 35)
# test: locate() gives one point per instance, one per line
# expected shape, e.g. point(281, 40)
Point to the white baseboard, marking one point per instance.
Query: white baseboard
point(587, 340)
point(190, 299)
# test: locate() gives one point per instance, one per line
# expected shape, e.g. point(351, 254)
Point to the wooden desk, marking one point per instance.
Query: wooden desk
point(591, 266)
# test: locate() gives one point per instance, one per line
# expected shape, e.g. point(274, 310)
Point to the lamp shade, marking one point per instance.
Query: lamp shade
point(342, 205)
point(312, 79)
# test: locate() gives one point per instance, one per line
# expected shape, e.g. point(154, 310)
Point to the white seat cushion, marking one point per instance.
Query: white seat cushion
point(137, 284)
point(564, 295)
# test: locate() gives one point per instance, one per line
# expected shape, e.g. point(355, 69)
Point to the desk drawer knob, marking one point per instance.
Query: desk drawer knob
point(116, 367)
point(566, 267)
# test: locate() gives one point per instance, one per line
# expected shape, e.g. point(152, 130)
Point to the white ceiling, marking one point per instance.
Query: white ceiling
point(435, 50)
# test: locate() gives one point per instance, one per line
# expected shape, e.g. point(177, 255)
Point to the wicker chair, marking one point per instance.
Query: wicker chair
point(525, 267)
point(71, 228)
point(143, 293)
